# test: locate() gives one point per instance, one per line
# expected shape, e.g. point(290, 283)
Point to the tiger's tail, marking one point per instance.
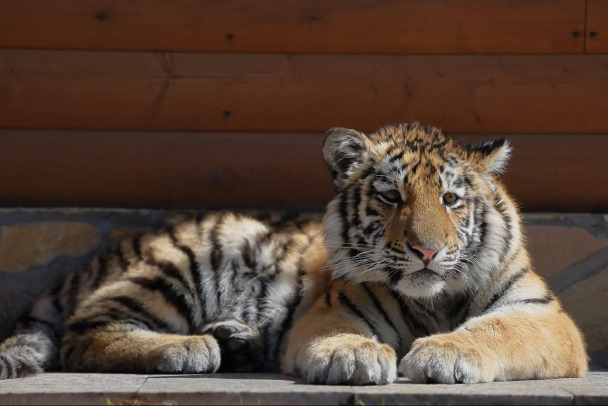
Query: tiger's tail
point(34, 345)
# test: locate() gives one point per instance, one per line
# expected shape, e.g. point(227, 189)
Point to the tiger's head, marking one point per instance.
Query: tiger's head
point(414, 209)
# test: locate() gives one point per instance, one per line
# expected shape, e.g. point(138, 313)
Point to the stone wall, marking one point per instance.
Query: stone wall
point(39, 246)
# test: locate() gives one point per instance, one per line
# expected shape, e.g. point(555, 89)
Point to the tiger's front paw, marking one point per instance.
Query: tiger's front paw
point(349, 360)
point(241, 346)
point(190, 354)
point(442, 359)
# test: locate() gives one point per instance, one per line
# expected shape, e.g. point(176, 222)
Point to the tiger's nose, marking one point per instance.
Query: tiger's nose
point(425, 254)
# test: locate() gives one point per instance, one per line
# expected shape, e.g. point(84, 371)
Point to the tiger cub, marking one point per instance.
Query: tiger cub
point(431, 269)
point(428, 264)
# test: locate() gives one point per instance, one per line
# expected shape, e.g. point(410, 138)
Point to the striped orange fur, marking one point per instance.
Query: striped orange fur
point(418, 266)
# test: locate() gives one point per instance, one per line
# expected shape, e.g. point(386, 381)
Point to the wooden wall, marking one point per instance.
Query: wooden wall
point(199, 103)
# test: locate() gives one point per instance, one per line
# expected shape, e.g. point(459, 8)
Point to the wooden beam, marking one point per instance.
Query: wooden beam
point(318, 26)
point(597, 27)
point(302, 93)
point(251, 170)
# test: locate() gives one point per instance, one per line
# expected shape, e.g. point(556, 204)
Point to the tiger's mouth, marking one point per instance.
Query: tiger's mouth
point(426, 271)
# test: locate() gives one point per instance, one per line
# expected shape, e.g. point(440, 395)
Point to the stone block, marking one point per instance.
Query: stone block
point(587, 302)
point(26, 245)
point(553, 248)
point(269, 389)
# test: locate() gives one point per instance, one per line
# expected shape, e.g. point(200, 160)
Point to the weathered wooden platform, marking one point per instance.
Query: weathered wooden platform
point(269, 389)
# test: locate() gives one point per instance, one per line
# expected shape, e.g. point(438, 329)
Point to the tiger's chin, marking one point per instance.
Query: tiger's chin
point(423, 284)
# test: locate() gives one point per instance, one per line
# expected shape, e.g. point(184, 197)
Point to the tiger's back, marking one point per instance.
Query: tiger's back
point(155, 302)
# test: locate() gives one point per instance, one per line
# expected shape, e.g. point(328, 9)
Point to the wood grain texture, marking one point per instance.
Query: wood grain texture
point(302, 93)
point(317, 26)
point(251, 170)
point(597, 27)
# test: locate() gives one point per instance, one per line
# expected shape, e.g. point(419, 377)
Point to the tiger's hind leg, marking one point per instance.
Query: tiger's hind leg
point(241, 346)
point(120, 348)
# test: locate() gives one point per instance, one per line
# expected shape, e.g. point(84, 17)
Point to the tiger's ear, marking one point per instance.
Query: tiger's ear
point(344, 150)
point(489, 157)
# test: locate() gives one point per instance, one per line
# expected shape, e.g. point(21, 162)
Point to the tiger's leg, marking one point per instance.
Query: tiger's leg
point(333, 345)
point(34, 346)
point(121, 347)
point(241, 346)
point(521, 337)
point(141, 325)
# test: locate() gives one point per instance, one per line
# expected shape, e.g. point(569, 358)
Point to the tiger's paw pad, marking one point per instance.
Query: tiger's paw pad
point(192, 355)
point(437, 360)
point(241, 346)
point(362, 362)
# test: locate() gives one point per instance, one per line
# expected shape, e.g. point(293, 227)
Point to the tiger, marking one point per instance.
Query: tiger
point(429, 269)
point(418, 267)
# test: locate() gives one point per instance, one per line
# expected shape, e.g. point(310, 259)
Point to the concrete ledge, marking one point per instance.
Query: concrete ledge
point(269, 389)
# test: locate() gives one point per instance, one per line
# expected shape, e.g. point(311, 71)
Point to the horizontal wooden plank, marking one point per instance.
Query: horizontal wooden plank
point(252, 170)
point(318, 26)
point(597, 27)
point(302, 93)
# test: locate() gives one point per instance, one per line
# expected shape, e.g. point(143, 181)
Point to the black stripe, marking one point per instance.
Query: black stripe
point(260, 299)
point(193, 266)
point(395, 249)
point(416, 328)
point(122, 261)
point(505, 287)
point(73, 292)
point(371, 212)
point(217, 256)
point(508, 238)
point(84, 326)
point(248, 254)
point(394, 274)
point(139, 309)
point(137, 246)
point(547, 298)
point(119, 315)
point(328, 299)
point(540, 300)
point(354, 309)
point(356, 222)
point(396, 157)
point(343, 206)
point(170, 270)
point(101, 271)
point(371, 228)
point(291, 309)
point(380, 309)
point(287, 247)
point(177, 299)
point(369, 171)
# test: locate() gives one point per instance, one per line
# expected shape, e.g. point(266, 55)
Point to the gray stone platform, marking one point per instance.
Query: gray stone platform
point(268, 389)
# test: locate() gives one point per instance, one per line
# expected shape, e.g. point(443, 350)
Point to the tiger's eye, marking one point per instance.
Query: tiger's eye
point(450, 198)
point(391, 196)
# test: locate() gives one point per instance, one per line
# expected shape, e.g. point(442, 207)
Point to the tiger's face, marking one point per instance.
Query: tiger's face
point(410, 208)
